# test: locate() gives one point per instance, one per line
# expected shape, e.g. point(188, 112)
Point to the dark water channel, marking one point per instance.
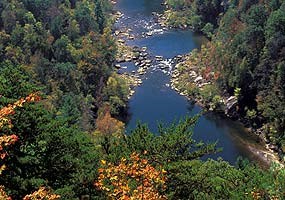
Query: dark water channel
point(154, 101)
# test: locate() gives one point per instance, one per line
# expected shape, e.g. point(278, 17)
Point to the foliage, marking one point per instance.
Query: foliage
point(135, 178)
point(219, 180)
point(34, 161)
point(246, 59)
point(209, 92)
point(116, 92)
point(63, 47)
point(5, 141)
point(42, 194)
point(223, 181)
point(3, 194)
point(66, 50)
point(176, 141)
point(199, 15)
point(5, 121)
point(108, 125)
point(187, 176)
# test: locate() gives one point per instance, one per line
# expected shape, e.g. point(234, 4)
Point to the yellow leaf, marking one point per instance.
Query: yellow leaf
point(103, 162)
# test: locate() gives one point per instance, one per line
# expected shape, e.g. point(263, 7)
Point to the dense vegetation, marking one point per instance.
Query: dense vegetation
point(245, 58)
point(131, 166)
point(197, 14)
point(68, 141)
point(65, 50)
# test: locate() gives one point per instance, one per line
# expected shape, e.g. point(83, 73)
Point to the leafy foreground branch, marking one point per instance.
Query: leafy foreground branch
point(131, 179)
point(142, 165)
point(174, 157)
point(8, 140)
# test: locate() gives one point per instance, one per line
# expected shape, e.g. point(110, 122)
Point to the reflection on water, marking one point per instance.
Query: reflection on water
point(139, 7)
point(152, 6)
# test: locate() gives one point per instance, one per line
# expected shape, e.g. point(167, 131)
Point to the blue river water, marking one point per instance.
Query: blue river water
point(154, 101)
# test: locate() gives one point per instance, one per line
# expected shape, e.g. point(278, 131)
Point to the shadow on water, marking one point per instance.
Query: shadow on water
point(155, 6)
point(139, 7)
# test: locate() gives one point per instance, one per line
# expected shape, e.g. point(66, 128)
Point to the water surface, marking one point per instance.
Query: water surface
point(154, 101)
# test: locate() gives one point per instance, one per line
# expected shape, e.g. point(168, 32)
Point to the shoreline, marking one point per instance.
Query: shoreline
point(121, 36)
point(267, 155)
point(271, 149)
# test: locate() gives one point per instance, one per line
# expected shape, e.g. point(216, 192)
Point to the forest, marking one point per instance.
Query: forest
point(244, 58)
point(61, 101)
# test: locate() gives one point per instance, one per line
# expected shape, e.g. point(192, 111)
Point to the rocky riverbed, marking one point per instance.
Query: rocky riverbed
point(136, 62)
point(138, 56)
point(228, 104)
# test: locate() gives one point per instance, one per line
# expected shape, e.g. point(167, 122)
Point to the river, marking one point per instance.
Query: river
point(154, 101)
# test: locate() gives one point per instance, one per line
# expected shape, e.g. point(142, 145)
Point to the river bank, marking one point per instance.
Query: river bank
point(130, 54)
point(153, 99)
point(198, 85)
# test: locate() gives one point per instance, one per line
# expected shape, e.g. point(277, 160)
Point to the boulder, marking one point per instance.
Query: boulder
point(198, 79)
point(118, 66)
point(144, 48)
point(273, 147)
point(121, 41)
point(149, 34)
point(117, 33)
point(231, 102)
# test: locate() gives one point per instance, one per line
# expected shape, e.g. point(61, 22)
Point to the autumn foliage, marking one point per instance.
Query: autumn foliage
point(5, 112)
point(135, 178)
point(42, 194)
point(3, 195)
point(7, 140)
point(106, 124)
point(10, 109)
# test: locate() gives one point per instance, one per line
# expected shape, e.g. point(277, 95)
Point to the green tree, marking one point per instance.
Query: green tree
point(84, 17)
point(57, 27)
point(100, 18)
point(14, 83)
point(275, 24)
point(60, 48)
point(116, 93)
point(176, 141)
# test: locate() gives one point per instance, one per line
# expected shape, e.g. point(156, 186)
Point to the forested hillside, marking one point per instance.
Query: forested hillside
point(198, 15)
point(245, 59)
point(64, 51)
point(59, 99)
